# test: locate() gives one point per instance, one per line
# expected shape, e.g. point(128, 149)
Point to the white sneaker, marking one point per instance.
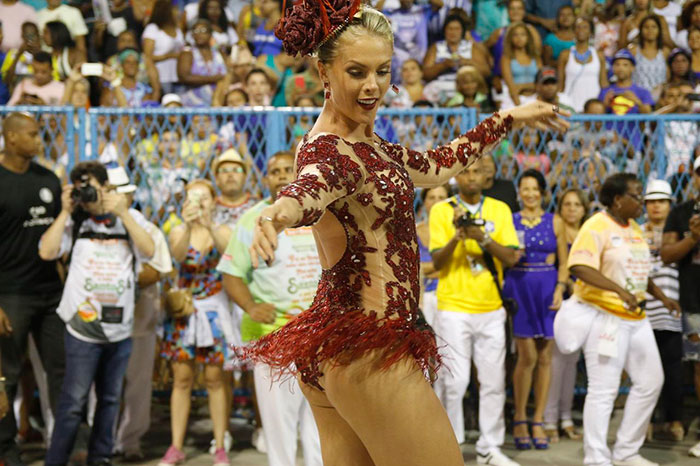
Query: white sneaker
point(228, 443)
point(258, 441)
point(637, 460)
point(695, 451)
point(495, 458)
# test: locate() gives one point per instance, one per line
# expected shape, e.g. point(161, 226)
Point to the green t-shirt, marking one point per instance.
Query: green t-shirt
point(289, 283)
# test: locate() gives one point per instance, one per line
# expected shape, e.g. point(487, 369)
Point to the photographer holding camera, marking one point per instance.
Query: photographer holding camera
point(103, 236)
point(30, 288)
point(472, 235)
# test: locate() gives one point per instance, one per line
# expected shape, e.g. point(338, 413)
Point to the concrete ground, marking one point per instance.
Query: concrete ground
point(565, 453)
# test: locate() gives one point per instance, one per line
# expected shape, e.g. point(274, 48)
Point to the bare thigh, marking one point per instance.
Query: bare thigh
point(394, 413)
point(340, 445)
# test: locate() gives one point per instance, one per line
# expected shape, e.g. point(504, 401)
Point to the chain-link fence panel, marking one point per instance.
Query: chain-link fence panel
point(162, 149)
point(596, 146)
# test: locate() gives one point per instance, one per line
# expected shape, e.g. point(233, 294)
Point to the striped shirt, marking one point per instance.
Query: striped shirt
point(666, 278)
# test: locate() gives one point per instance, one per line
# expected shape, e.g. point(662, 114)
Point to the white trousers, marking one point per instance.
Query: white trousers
point(638, 355)
point(481, 338)
point(561, 388)
point(136, 403)
point(429, 307)
point(284, 412)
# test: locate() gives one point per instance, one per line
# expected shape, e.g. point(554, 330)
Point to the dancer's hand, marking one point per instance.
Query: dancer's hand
point(271, 222)
point(539, 115)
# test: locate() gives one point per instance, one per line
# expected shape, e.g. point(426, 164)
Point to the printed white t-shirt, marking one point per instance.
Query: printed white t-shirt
point(98, 297)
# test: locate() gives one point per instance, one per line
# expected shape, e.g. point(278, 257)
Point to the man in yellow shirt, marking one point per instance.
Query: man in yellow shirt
point(471, 318)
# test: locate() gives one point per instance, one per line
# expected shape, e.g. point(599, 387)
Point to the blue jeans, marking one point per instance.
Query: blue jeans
point(103, 364)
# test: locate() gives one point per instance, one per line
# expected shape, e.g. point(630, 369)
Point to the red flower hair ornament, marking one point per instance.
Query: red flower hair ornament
point(309, 23)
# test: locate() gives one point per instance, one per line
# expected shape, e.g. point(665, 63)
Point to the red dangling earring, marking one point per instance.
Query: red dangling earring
point(327, 94)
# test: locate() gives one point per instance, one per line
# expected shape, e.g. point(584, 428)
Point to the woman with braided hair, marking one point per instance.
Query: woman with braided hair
point(363, 359)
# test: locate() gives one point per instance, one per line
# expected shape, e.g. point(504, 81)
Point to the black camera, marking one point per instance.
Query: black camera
point(83, 191)
point(469, 220)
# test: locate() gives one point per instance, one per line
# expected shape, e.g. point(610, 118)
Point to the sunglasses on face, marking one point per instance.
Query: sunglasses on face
point(200, 30)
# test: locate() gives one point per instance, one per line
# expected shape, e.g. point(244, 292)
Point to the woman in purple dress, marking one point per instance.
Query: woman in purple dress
point(538, 287)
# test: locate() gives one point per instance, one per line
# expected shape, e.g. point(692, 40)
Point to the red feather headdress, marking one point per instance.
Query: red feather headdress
point(300, 30)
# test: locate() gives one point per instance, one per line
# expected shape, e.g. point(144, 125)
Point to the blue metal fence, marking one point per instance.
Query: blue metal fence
point(162, 147)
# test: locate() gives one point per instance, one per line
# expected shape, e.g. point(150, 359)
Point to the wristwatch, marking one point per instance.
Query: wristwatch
point(486, 241)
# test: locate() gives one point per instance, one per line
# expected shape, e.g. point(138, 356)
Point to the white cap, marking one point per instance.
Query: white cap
point(118, 178)
point(658, 190)
point(171, 99)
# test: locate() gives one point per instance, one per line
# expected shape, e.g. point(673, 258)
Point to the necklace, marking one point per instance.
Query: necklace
point(582, 57)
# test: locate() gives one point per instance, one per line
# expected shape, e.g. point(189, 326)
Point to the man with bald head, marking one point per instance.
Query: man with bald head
point(503, 190)
point(30, 288)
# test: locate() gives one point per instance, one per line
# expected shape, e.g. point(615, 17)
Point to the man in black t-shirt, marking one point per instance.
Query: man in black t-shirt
point(681, 244)
point(503, 190)
point(30, 288)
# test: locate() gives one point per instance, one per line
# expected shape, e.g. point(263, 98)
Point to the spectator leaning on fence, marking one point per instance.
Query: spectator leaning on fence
point(271, 295)
point(471, 316)
point(103, 237)
point(666, 323)
point(30, 289)
point(626, 98)
point(681, 245)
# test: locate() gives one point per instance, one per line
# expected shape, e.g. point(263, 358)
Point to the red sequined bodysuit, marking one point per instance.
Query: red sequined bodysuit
point(362, 195)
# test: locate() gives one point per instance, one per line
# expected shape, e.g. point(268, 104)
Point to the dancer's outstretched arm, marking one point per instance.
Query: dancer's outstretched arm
point(327, 170)
point(435, 167)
